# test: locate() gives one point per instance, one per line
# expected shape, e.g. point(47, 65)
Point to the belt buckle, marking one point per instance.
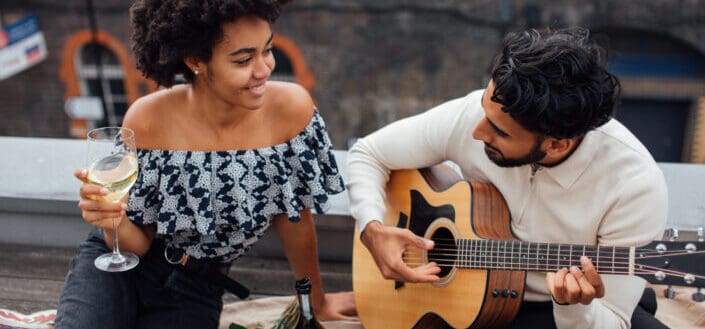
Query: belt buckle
point(169, 260)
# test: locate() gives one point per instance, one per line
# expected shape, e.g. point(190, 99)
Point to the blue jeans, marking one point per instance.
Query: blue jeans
point(155, 294)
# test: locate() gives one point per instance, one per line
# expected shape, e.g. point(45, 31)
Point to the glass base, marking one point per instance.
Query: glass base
point(112, 262)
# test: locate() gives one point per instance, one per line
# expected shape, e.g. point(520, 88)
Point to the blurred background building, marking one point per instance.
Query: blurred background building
point(369, 62)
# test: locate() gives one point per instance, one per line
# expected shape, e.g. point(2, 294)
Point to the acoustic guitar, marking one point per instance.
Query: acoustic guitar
point(483, 265)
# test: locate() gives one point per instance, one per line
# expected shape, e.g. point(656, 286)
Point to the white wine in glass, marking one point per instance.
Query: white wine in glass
point(112, 161)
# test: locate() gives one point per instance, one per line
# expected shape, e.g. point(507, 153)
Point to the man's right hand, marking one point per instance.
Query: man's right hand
point(387, 245)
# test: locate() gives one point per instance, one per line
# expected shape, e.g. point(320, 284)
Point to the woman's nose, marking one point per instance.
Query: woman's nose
point(262, 68)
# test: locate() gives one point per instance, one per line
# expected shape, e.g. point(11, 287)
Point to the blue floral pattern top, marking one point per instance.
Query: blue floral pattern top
point(216, 204)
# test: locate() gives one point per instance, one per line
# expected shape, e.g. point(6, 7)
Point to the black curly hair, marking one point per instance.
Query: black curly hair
point(165, 32)
point(555, 82)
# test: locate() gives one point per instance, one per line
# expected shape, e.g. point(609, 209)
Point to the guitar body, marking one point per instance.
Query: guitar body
point(436, 203)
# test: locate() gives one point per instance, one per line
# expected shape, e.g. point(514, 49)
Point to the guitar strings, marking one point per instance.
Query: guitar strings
point(556, 256)
point(623, 268)
point(616, 271)
point(552, 267)
point(593, 249)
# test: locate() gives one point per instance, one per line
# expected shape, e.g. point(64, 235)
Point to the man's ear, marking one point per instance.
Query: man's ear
point(557, 148)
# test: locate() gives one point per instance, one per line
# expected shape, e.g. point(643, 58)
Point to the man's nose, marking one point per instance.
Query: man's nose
point(480, 131)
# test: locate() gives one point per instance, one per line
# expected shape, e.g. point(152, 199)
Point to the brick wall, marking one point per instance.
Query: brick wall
point(373, 61)
point(32, 101)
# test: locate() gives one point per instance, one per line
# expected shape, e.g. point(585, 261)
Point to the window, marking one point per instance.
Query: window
point(291, 65)
point(284, 70)
point(100, 74)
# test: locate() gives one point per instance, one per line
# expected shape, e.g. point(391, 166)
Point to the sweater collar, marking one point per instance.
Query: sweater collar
point(567, 172)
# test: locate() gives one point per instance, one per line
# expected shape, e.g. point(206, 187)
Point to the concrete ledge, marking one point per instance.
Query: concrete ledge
point(38, 196)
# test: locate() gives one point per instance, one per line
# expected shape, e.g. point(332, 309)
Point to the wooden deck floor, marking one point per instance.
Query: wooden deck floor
point(31, 278)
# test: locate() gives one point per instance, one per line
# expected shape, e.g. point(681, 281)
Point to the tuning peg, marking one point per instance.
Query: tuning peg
point(669, 292)
point(701, 234)
point(673, 234)
point(698, 296)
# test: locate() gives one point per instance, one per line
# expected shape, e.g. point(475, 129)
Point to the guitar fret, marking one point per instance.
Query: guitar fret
point(467, 253)
point(493, 255)
point(458, 258)
point(504, 254)
point(516, 264)
point(570, 255)
point(465, 256)
point(476, 257)
point(548, 256)
point(478, 254)
point(536, 259)
point(459, 253)
point(597, 262)
point(481, 254)
point(517, 255)
point(511, 255)
point(481, 259)
point(469, 256)
point(488, 256)
point(473, 256)
point(527, 257)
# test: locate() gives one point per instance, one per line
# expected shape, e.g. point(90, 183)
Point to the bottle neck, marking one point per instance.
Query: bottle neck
point(303, 290)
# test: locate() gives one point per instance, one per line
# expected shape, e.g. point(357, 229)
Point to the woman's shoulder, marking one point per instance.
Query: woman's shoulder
point(147, 115)
point(291, 103)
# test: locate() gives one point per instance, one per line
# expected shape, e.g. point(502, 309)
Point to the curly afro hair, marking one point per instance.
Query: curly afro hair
point(555, 82)
point(165, 32)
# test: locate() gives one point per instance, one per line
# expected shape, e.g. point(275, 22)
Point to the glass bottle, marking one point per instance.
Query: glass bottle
point(303, 293)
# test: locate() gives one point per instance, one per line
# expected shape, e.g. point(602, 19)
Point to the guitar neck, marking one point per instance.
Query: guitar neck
point(541, 257)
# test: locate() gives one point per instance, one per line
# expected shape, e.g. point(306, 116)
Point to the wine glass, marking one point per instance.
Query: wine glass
point(112, 164)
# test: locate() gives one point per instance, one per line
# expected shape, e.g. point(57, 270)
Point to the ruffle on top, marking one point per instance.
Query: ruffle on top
point(218, 203)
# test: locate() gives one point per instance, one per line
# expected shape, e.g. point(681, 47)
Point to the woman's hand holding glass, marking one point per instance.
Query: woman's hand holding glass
point(95, 210)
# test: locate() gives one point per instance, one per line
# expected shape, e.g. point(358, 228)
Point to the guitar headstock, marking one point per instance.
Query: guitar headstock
point(678, 263)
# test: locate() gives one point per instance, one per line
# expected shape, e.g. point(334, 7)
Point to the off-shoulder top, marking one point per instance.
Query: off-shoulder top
point(216, 204)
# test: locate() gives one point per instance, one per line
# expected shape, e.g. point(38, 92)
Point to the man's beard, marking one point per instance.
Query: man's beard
point(535, 155)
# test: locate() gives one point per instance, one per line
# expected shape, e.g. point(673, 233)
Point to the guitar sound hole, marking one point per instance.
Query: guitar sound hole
point(444, 252)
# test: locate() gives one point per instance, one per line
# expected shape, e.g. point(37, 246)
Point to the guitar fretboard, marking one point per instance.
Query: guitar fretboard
point(542, 257)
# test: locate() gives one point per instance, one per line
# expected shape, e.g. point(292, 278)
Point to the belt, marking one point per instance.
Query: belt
point(211, 270)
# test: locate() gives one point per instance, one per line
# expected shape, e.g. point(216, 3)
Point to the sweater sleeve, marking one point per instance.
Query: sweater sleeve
point(637, 217)
point(414, 142)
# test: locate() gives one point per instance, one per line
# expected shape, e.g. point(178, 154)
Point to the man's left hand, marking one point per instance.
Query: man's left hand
point(574, 286)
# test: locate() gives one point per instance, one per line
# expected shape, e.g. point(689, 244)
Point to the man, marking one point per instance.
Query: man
point(568, 171)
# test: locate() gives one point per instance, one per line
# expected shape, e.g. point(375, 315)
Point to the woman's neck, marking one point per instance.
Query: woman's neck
point(206, 107)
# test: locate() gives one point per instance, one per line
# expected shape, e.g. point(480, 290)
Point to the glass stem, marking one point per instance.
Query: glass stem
point(117, 257)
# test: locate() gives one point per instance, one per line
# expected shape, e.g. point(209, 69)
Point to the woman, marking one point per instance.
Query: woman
point(222, 157)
